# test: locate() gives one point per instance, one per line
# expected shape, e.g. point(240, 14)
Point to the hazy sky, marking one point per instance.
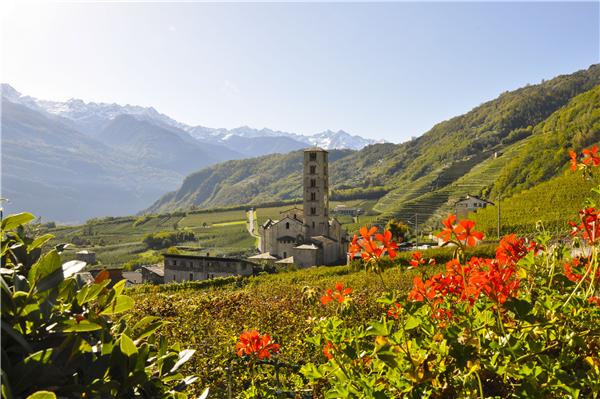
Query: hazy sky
point(385, 70)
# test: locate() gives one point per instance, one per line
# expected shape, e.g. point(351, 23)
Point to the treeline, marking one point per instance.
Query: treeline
point(165, 239)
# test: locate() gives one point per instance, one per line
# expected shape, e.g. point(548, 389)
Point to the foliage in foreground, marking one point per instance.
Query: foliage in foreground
point(61, 337)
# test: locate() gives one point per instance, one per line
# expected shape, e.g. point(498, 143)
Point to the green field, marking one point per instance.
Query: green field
point(118, 240)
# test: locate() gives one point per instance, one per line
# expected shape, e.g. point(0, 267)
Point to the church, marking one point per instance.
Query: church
point(307, 237)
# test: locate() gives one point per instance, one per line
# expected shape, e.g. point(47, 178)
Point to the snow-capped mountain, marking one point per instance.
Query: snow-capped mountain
point(91, 118)
point(327, 139)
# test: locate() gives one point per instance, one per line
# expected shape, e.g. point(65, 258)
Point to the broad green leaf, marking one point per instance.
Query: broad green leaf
point(119, 287)
point(42, 395)
point(82, 326)
point(13, 221)
point(127, 346)
point(184, 356)
point(121, 303)
point(146, 326)
point(411, 322)
point(45, 266)
point(38, 242)
point(378, 328)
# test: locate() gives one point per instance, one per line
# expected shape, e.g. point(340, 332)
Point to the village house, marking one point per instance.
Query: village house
point(470, 204)
point(342, 209)
point(153, 274)
point(307, 237)
point(178, 268)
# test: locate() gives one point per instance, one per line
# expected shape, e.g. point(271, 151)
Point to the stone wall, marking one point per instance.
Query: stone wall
point(191, 268)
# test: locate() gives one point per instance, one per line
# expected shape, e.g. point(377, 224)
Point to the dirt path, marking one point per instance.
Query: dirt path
point(250, 226)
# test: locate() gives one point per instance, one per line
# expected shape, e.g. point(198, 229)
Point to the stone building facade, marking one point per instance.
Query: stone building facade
point(308, 234)
point(178, 268)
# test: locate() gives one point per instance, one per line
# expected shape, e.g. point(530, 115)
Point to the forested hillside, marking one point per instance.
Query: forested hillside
point(504, 145)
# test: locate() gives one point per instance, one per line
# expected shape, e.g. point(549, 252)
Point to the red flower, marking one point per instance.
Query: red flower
point(251, 343)
point(512, 249)
point(340, 294)
point(590, 156)
point(387, 243)
point(464, 233)
point(589, 228)
point(417, 260)
point(573, 156)
point(579, 267)
point(327, 349)
point(594, 300)
point(368, 245)
point(449, 228)
point(394, 311)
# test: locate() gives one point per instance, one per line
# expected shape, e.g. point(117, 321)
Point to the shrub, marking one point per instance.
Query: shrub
point(63, 338)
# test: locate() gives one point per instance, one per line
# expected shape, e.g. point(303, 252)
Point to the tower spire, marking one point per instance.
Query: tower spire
point(316, 192)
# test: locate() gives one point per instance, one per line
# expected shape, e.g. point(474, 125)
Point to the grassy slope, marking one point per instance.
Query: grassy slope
point(433, 162)
point(555, 202)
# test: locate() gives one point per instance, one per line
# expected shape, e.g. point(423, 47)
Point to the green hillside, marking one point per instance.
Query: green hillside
point(555, 202)
point(505, 145)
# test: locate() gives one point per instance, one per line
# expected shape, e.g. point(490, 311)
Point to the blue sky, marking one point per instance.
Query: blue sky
point(385, 70)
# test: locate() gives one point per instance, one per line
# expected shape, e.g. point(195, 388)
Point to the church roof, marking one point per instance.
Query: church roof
point(307, 246)
point(288, 261)
point(265, 255)
point(322, 239)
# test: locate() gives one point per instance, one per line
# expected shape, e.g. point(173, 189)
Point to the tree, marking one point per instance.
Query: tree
point(399, 229)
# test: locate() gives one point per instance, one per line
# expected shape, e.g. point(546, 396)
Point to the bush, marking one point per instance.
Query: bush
point(165, 239)
point(63, 338)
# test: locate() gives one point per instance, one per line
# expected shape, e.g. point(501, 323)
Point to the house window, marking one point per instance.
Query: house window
point(313, 182)
point(284, 254)
point(313, 225)
point(287, 225)
point(313, 196)
point(313, 169)
point(174, 263)
point(313, 156)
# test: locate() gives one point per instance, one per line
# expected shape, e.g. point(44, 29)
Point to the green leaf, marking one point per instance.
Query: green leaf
point(184, 356)
point(378, 328)
point(119, 287)
point(38, 242)
point(121, 303)
point(42, 395)
point(127, 346)
point(45, 266)
point(82, 326)
point(311, 372)
point(146, 326)
point(412, 322)
point(13, 221)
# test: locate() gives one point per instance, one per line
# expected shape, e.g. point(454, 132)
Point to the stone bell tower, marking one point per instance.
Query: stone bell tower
point(316, 192)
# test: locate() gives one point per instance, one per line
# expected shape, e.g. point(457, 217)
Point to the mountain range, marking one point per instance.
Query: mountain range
point(72, 160)
point(498, 149)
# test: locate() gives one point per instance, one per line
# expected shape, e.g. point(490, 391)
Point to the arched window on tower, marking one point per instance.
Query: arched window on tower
point(287, 225)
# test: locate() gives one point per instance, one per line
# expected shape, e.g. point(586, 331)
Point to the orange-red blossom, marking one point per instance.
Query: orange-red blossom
point(339, 294)
point(253, 344)
point(372, 245)
point(462, 231)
